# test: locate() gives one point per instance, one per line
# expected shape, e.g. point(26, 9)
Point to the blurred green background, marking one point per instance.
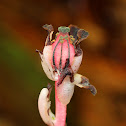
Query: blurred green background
point(104, 62)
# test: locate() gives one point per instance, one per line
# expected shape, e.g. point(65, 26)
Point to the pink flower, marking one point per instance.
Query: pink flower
point(61, 59)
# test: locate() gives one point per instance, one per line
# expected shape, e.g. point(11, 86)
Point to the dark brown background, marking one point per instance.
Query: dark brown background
point(104, 62)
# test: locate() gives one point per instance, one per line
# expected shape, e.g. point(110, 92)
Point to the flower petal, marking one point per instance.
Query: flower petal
point(82, 34)
point(83, 82)
point(44, 107)
point(46, 63)
point(76, 63)
point(65, 91)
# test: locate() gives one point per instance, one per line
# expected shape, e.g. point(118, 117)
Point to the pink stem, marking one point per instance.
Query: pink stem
point(60, 110)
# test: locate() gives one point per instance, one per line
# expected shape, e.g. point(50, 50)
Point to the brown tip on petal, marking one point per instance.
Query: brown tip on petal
point(93, 89)
point(50, 30)
point(40, 54)
point(48, 27)
point(49, 87)
point(73, 31)
point(38, 51)
point(82, 34)
point(84, 81)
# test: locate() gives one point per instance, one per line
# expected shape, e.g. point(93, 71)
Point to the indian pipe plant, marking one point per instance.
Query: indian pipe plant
point(61, 59)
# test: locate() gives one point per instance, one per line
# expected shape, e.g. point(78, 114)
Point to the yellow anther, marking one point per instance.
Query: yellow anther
point(53, 41)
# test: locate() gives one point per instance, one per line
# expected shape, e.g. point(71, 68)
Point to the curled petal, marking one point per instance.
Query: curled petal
point(83, 82)
point(65, 91)
point(44, 107)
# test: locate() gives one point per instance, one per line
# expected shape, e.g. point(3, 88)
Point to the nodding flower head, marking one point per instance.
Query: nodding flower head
point(61, 59)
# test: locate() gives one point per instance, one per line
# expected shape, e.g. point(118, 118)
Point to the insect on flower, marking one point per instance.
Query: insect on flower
point(61, 59)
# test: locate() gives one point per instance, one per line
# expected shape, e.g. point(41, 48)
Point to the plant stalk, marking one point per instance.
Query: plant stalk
point(60, 110)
